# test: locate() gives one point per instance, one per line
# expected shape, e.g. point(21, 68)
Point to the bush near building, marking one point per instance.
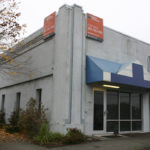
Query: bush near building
point(27, 121)
point(13, 126)
point(45, 136)
point(2, 119)
point(31, 118)
point(33, 123)
point(74, 136)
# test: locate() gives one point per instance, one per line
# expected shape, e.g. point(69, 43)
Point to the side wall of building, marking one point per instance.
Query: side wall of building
point(45, 65)
point(28, 90)
point(34, 62)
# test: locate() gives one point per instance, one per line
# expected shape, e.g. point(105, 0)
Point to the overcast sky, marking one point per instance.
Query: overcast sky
point(131, 17)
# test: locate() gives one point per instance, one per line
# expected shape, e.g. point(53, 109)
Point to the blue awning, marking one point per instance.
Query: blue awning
point(98, 70)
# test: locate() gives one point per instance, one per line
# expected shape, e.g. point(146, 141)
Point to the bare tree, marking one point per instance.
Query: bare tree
point(11, 33)
point(10, 29)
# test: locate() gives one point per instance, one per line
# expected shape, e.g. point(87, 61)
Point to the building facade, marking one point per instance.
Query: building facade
point(98, 85)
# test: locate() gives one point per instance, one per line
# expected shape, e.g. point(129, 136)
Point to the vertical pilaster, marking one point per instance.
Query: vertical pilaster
point(146, 113)
point(77, 65)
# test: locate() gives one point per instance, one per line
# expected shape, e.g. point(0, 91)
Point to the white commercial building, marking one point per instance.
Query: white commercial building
point(89, 77)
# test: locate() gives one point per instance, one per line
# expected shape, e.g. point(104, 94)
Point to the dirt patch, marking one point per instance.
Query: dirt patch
point(20, 137)
point(7, 137)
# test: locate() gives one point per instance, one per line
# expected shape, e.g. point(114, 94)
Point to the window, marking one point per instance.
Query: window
point(3, 103)
point(39, 98)
point(124, 111)
point(136, 112)
point(112, 110)
point(18, 97)
point(136, 106)
point(124, 106)
point(112, 105)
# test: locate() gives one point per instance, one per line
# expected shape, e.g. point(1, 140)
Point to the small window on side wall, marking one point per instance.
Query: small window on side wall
point(39, 98)
point(18, 97)
point(148, 64)
point(3, 103)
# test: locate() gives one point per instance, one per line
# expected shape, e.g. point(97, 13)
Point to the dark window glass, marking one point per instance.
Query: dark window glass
point(130, 111)
point(98, 110)
point(112, 105)
point(3, 103)
point(136, 125)
point(124, 106)
point(136, 106)
point(38, 98)
point(125, 125)
point(18, 96)
point(112, 126)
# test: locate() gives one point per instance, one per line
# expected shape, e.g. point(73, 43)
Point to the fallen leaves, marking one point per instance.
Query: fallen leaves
point(7, 137)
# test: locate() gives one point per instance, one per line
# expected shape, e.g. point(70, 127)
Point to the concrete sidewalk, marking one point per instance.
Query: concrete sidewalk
point(122, 143)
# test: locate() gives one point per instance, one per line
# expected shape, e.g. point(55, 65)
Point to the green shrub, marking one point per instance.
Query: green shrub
point(43, 136)
point(31, 118)
point(13, 127)
point(73, 136)
point(55, 136)
point(2, 119)
point(14, 118)
point(46, 137)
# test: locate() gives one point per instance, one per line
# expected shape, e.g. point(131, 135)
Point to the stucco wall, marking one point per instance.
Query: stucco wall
point(28, 90)
point(34, 63)
point(118, 47)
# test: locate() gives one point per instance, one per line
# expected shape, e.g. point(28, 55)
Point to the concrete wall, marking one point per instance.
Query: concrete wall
point(28, 90)
point(118, 47)
point(33, 63)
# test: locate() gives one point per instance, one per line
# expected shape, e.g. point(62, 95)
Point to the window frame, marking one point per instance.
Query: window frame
point(131, 119)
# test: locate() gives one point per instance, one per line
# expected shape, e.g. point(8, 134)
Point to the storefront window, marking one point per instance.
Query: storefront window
point(124, 106)
point(112, 126)
point(136, 125)
point(124, 111)
point(125, 126)
point(112, 105)
point(136, 106)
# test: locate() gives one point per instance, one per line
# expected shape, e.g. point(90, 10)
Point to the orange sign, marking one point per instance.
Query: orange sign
point(95, 27)
point(49, 25)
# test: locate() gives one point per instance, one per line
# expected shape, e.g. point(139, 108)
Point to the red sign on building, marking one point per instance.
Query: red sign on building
point(49, 25)
point(95, 27)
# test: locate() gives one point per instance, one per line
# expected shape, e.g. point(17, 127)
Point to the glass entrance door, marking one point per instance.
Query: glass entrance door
point(98, 110)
